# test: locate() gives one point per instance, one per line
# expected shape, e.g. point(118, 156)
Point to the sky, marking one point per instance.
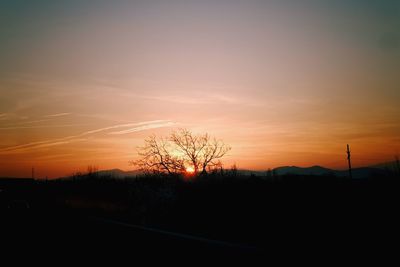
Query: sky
point(282, 82)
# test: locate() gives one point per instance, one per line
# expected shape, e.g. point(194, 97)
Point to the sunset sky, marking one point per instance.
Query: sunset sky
point(283, 82)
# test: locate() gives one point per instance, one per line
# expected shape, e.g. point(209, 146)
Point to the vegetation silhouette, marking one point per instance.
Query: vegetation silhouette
point(181, 151)
point(225, 205)
point(270, 212)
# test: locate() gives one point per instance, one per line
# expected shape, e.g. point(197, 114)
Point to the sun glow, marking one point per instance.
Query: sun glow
point(189, 170)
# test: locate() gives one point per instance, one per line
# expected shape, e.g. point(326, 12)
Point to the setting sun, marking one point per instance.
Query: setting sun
point(189, 170)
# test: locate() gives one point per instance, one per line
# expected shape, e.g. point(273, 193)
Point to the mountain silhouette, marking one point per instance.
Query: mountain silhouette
point(358, 173)
point(314, 170)
point(118, 173)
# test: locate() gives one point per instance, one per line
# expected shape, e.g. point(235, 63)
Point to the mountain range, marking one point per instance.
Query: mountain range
point(358, 173)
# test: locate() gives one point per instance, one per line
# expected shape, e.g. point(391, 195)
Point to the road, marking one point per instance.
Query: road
point(72, 236)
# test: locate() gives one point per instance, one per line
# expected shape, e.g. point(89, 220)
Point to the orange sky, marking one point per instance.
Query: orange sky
point(83, 83)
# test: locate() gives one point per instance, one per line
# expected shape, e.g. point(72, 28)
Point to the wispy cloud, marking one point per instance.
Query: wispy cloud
point(40, 144)
point(139, 126)
point(42, 126)
point(197, 99)
point(4, 116)
point(32, 122)
point(122, 126)
point(144, 127)
point(56, 115)
point(205, 98)
point(17, 125)
point(55, 157)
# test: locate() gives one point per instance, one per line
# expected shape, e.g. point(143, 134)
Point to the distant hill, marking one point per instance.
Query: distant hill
point(251, 172)
point(391, 165)
point(117, 173)
point(113, 173)
point(314, 170)
point(358, 173)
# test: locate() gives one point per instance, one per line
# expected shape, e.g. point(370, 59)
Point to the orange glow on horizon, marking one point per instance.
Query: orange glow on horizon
point(282, 84)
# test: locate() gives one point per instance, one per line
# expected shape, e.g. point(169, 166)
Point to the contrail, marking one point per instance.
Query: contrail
point(144, 127)
point(140, 126)
point(56, 115)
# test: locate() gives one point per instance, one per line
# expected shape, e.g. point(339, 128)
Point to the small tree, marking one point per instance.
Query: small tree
point(181, 150)
point(201, 151)
point(155, 157)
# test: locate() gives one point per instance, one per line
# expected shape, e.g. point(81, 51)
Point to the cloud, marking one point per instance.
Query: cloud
point(32, 122)
point(197, 99)
point(205, 98)
point(122, 126)
point(144, 127)
point(25, 122)
point(40, 144)
point(56, 115)
point(139, 126)
point(5, 116)
point(41, 126)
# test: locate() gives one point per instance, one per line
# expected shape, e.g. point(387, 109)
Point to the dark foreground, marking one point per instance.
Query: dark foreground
point(291, 218)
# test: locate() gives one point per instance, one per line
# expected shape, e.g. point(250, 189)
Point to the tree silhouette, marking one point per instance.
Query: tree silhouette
point(155, 157)
point(181, 150)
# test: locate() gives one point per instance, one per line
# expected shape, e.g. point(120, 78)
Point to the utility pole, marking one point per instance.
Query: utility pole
point(33, 173)
point(349, 161)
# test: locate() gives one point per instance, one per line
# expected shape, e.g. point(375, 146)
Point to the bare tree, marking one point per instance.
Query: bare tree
point(155, 157)
point(212, 153)
point(201, 151)
point(191, 146)
point(181, 151)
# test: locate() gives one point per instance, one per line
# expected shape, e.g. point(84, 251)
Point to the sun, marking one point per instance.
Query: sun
point(189, 170)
